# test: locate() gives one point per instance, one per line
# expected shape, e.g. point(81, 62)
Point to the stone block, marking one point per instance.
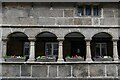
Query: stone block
point(119, 70)
point(31, 32)
point(111, 70)
point(97, 70)
point(25, 70)
point(39, 12)
point(64, 71)
point(52, 71)
point(65, 21)
point(82, 21)
point(46, 12)
point(46, 21)
point(68, 13)
point(109, 13)
point(10, 20)
point(16, 13)
point(11, 71)
point(96, 21)
point(39, 71)
point(28, 21)
point(109, 21)
point(56, 13)
point(80, 70)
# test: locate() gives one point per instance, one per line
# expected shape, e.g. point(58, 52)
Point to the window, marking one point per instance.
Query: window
point(95, 10)
point(51, 49)
point(88, 10)
point(80, 10)
point(101, 50)
point(26, 48)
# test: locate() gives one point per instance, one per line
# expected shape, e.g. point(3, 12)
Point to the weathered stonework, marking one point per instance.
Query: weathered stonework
point(65, 71)
point(59, 19)
point(97, 70)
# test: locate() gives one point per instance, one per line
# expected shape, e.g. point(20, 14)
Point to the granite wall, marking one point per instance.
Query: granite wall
point(57, 14)
point(61, 71)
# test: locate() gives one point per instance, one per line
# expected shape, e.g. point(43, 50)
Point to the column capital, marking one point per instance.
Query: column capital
point(60, 39)
point(115, 39)
point(32, 39)
point(88, 39)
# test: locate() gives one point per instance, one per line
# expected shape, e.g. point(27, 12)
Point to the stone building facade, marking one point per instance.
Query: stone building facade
point(60, 30)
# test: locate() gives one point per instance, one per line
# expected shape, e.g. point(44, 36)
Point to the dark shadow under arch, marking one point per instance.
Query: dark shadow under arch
point(102, 45)
point(74, 44)
point(42, 39)
point(16, 44)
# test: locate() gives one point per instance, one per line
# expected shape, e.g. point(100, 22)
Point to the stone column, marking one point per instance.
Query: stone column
point(1, 52)
point(32, 50)
point(60, 50)
point(88, 50)
point(4, 47)
point(115, 51)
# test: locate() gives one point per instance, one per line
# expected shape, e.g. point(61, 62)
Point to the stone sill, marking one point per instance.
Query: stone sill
point(58, 26)
point(45, 60)
point(63, 63)
point(50, 78)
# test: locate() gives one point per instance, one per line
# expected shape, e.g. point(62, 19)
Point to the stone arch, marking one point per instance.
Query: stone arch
point(103, 35)
point(74, 44)
point(46, 34)
point(101, 45)
point(75, 34)
point(10, 33)
point(74, 31)
point(44, 40)
point(103, 32)
point(21, 40)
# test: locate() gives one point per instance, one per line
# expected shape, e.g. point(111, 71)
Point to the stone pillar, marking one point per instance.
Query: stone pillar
point(60, 50)
point(88, 50)
point(32, 50)
point(1, 53)
point(115, 51)
point(4, 47)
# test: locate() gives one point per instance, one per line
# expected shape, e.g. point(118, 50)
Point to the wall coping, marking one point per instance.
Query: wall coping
point(63, 63)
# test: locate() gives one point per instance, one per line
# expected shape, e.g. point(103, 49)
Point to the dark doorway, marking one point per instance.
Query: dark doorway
point(74, 44)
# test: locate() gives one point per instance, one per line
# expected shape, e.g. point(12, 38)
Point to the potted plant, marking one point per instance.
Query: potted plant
point(45, 59)
point(75, 58)
point(14, 58)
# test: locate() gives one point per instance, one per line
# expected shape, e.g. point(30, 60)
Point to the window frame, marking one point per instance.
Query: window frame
point(100, 49)
point(92, 6)
point(52, 51)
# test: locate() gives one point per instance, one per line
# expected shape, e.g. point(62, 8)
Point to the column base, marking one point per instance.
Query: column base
point(31, 60)
point(89, 60)
point(2, 60)
point(116, 59)
point(60, 60)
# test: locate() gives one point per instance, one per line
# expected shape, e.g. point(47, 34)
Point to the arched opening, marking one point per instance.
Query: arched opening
point(46, 45)
point(74, 44)
point(17, 44)
point(102, 45)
